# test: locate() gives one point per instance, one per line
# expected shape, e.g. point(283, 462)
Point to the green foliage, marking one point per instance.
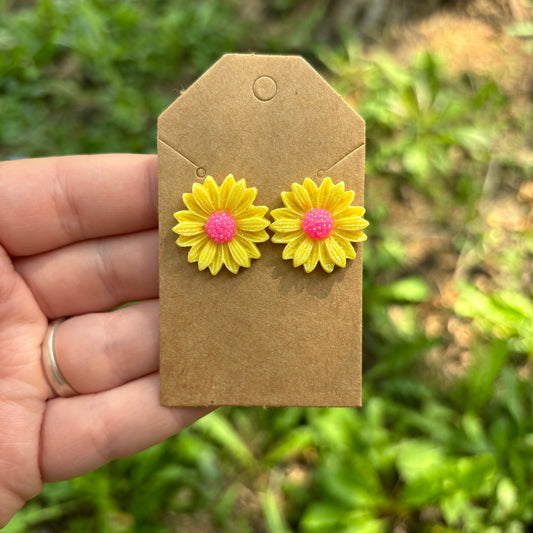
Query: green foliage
point(92, 76)
point(436, 447)
point(504, 313)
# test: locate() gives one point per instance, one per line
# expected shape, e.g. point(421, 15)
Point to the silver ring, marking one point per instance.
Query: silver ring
point(53, 375)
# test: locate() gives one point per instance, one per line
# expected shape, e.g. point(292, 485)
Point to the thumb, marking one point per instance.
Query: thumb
point(22, 323)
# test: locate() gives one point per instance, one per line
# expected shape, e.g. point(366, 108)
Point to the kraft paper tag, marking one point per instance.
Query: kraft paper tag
point(271, 335)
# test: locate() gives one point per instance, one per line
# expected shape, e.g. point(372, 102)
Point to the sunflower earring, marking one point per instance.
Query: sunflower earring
point(318, 224)
point(221, 225)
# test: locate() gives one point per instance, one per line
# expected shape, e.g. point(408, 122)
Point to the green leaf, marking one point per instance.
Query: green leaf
point(479, 383)
point(476, 475)
point(416, 161)
point(216, 427)
point(507, 495)
point(294, 443)
point(321, 517)
point(406, 290)
point(520, 29)
point(275, 522)
point(417, 459)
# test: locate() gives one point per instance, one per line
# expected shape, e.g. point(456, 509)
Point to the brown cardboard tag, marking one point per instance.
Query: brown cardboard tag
point(272, 334)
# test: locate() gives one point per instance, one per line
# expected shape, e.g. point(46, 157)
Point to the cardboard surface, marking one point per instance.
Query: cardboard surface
point(272, 334)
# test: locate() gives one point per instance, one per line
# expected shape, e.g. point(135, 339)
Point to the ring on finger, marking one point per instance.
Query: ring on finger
point(55, 378)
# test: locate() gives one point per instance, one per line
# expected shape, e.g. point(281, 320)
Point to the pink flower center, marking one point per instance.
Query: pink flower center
point(317, 223)
point(220, 227)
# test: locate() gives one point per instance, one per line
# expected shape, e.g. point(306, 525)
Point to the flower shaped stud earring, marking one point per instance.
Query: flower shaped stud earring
point(318, 224)
point(221, 225)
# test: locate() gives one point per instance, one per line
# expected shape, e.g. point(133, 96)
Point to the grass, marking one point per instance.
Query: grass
point(445, 438)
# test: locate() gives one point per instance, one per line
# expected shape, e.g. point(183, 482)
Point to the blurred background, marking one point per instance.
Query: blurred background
point(444, 442)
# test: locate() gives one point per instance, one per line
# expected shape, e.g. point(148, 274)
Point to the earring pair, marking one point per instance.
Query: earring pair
point(222, 226)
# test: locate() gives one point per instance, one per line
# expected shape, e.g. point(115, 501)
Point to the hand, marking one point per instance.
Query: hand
point(78, 237)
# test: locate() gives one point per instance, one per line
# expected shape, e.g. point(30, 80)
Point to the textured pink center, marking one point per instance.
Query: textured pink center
point(317, 223)
point(220, 227)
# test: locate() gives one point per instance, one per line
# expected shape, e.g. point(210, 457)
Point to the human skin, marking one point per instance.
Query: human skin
point(78, 237)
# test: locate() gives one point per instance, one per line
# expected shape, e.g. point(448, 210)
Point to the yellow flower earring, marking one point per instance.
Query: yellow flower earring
point(221, 225)
point(318, 224)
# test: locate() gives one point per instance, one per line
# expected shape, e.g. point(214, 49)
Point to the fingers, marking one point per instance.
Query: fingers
point(51, 202)
point(83, 433)
point(100, 351)
point(94, 275)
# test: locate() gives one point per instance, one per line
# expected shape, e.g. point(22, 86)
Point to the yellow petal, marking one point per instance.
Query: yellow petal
point(292, 203)
point(327, 264)
point(239, 253)
point(282, 213)
point(194, 206)
point(323, 191)
point(247, 199)
point(334, 196)
point(234, 196)
point(228, 260)
point(335, 252)
point(189, 216)
point(252, 211)
point(290, 249)
point(347, 248)
point(251, 249)
point(351, 235)
point(286, 237)
point(255, 236)
point(189, 228)
point(225, 189)
point(312, 190)
point(202, 198)
point(190, 240)
point(344, 201)
point(216, 264)
point(286, 225)
point(312, 260)
point(302, 197)
point(303, 251)
point(196, 250)
point(353, 223)
point(252, 224)
point(350, 211)
point(207, 255)
point(213, 191)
